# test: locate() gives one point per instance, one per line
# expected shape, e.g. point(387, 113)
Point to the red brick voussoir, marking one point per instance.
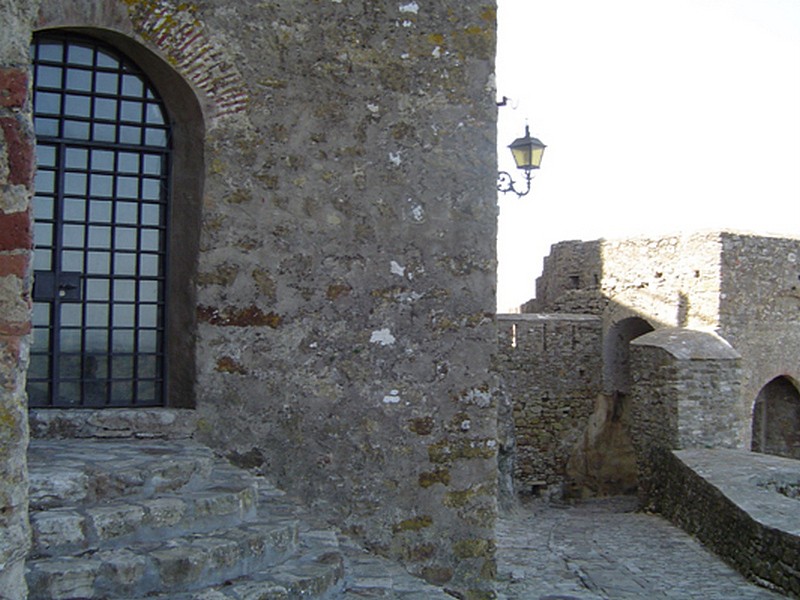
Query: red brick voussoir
point(20, 151)
point(13, 88)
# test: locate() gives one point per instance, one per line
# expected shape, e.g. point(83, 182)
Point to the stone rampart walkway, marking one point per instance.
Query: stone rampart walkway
point(604, 550)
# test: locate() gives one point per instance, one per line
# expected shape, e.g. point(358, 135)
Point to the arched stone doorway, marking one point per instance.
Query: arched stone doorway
point(616, 353)
point(776, 419)
point(114, 310)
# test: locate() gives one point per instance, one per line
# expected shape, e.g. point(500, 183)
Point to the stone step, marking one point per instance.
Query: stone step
point(228, 497)
point(187, 563)
point(92, 471)
point(315, 571)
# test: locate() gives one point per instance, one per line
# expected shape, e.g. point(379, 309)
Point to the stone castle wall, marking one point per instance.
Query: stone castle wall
point(759, 313)
point(551, 367)
point(338, 168)
point(743, 287)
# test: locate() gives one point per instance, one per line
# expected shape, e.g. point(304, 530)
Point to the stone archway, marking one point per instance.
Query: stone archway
point(776, 419)
point(616, 353)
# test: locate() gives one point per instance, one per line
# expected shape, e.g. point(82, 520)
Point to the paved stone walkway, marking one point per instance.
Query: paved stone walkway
point(605, 550)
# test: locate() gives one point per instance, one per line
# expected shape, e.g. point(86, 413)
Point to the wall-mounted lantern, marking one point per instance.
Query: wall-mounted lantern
point(527, 152)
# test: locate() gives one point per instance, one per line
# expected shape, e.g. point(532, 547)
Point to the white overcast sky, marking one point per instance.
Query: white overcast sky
point(659, 116)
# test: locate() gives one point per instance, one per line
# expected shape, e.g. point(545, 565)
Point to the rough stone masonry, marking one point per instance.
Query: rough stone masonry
point(333, 259)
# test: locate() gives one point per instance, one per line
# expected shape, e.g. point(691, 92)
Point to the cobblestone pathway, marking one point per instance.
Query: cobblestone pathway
point(604, 550)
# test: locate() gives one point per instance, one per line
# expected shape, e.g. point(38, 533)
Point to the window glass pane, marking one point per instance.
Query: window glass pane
point(76, 158)
point(105, 108)
point(51, 51)
point(151, 214)
point(151, 164)
point(96, 289)
point(72, 260)
point(148, 264)
point(130, 135)
point(106, 83)
point(75, 184)
point(128, 162)
point(41, 315)
point(124, 264)
point(148, 315)
point(122, 315)
point(150, 240)
point(76, 129)
point(43, 233)
point(79, 54)
point(74, 209)
point(155, 137)
point(100, 212)
point(102, 132)
point(99, 237)
point(99, 263)
point(127, 212)
point(132, 85)
point(121, 393)
point(123, 340)
point(147, 390)
point(102, 160)
point(47, 103)
point(102, 186)
point(70, 342)
point(73, 237)
point(151, 189)
point(45, 156)
point(148, 339)
point(124, 291)
point(42, 260)
point(76, 106)
point(148, 291)
point(125, 238)
point(127, 187)
point(104, 59)
point(131, 111)
point(45, 182)
point(39, 393)
point(48, 127)
point(97, 339)
point(154, 115)
point(39, 366)
point(71, 315)
point(49, 77)
point(79, 80)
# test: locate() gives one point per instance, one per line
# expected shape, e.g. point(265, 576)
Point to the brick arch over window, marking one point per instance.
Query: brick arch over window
point(186, 188)
point(776, 419)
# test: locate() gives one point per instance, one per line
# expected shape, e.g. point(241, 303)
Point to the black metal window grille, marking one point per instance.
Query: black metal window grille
point(100, 228)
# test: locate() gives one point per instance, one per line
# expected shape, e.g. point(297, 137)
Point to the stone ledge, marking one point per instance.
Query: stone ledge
point(113, 423)
point(731, 500)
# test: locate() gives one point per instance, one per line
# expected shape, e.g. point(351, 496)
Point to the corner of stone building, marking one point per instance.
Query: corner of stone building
point(16, 183)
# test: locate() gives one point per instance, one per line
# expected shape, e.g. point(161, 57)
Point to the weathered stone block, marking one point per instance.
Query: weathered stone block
point(57, 527)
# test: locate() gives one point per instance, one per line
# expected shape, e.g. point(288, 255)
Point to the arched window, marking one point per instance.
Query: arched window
point(101, 228)
point(776, 419)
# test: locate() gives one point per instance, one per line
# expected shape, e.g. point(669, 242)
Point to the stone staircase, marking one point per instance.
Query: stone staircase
point(167, 519)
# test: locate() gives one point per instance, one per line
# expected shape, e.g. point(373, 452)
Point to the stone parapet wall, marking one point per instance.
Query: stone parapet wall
point(685, 386)
point(550, 365)
point(16, 240)
point(740, 506)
